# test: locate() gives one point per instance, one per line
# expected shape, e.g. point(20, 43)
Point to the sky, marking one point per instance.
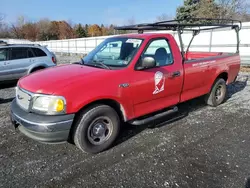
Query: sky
point(89, 12)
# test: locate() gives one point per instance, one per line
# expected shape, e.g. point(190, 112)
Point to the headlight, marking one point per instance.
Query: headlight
point(49, 104)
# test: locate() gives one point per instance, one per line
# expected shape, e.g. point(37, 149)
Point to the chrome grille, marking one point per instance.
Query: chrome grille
point(23, 98)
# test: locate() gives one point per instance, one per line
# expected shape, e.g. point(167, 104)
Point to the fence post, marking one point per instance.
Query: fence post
point(68, 47)
point(76, 45)
point(210, 42)
point(85, 43)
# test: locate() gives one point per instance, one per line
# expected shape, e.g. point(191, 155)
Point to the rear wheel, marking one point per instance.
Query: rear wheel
point(217, 94)
point(96, 129)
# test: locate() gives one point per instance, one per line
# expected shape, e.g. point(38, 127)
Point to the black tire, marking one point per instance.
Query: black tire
point(212, 98)
point(84, 127)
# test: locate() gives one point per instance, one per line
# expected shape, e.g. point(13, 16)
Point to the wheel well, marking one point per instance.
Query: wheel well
point(112, 103)
point(223, 75)
point(37, 68)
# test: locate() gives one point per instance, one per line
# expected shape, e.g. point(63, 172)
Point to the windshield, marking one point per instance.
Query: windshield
point(114, 52)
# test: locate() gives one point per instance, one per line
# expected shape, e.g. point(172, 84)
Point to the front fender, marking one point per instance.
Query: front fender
point(80, 98)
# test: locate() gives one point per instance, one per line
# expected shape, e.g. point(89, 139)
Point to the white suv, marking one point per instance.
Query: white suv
point(17, 60)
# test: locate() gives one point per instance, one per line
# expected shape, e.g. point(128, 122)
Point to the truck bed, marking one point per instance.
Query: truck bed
point(193, 55)
point(202, 68)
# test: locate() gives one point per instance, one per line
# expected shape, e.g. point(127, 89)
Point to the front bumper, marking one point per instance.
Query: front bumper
point(43, 128)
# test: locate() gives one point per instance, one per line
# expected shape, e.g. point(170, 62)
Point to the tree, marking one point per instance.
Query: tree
point(17, 27)
point(43, 27)
point(54, 30)
point(16, 31)
point(187, 11)
point(163, 17)
point(234, 9)
point(104, 30)
point(5, 32)
point(207, 9)
point(79, 31)
point(86, 28)
point(111, 30)
point(65, 30)
point(94, 30)
point(1, 19)
point(30, 31)
point(4, 29)
point(131, 21)
point(223, 9)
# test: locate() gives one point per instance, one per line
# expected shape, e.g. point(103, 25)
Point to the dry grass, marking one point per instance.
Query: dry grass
point(245, 69)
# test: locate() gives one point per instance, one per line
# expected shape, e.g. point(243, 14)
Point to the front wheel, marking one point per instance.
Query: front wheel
point(217, 94)
point(96, 129)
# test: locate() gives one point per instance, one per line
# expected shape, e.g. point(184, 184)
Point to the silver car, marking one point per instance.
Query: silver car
point(17, 60)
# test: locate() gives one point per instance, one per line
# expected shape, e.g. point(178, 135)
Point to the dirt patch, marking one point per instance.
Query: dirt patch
point(245, 69)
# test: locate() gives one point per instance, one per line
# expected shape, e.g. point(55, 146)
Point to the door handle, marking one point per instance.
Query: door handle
point(175, 74)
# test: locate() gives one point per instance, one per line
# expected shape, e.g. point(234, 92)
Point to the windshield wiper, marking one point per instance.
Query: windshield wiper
point(100, 62)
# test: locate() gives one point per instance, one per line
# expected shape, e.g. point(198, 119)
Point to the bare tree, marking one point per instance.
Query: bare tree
point(234, 9)
point(44, 29)
point(20, 21)
point(163, 17)
point(131, 21)
point(1, 20)
point(4, 29)
point(16, 31)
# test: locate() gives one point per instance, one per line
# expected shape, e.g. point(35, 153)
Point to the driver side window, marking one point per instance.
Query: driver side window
point(160, 50)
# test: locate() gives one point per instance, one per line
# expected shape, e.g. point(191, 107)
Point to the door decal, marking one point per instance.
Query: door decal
point(159, 82)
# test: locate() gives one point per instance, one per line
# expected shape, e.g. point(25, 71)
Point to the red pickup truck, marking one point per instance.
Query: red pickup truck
point(134, 78)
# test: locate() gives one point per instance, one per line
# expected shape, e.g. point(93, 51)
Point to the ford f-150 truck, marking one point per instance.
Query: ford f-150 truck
point(134, 78)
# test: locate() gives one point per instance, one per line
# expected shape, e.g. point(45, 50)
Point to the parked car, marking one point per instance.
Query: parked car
point(17, 60)
point(133, 78)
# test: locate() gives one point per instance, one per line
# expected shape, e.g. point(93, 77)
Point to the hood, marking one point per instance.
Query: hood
point(53, 79)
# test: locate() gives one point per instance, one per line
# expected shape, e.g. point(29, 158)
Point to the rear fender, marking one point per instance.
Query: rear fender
point(36, 65)
point(218, 74)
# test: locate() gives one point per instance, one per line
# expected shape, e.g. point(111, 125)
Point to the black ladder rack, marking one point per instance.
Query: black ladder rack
point(193, 24)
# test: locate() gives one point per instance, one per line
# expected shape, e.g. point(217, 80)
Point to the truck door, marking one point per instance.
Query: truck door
point(158, 87)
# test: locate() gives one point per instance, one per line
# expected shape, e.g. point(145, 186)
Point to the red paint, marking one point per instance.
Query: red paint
point(82, 85)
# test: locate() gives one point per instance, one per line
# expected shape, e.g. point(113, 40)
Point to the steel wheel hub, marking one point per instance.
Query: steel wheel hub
point(100, 130)
point(218, 93)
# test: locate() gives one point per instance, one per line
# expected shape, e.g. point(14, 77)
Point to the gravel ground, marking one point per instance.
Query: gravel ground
point(201, 147)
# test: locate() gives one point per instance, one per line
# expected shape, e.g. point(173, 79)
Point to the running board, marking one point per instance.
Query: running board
point(154, 117)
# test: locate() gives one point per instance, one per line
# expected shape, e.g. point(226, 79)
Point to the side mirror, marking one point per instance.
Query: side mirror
point(147, 63)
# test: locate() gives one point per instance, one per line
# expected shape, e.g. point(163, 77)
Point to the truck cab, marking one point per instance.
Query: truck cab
point(133, 78)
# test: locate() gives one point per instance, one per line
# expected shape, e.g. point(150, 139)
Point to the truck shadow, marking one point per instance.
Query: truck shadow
point(8, 84)
point(247, 185)
point(237, 86)
point(128, 130)
point(3, 101)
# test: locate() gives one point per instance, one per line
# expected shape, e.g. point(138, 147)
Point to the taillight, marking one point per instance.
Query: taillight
point(54, 60)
